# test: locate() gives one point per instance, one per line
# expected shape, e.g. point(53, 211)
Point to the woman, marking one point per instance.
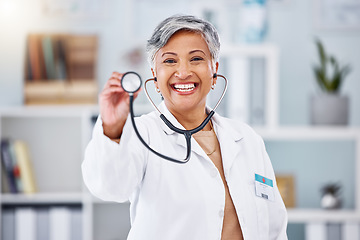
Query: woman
point(217, 194)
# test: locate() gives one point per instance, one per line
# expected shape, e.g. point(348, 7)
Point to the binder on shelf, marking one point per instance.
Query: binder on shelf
point(315, 231)
point(25, 223)
point(60, 219)
point(350, 230)
point(42, 223)
point(7, 164)
point(76, 223)
point(25, 166)
point(8, 224)
point(333, 231)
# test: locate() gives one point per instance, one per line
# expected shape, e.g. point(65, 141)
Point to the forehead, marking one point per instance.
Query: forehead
point(186, 41)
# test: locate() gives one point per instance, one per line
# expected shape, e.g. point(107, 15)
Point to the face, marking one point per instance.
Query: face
point(184, 72)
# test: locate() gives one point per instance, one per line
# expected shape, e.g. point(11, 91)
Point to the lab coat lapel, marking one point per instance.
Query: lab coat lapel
point(180, 140)
point(228, 138)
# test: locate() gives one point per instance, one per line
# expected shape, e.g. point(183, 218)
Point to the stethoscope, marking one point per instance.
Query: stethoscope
point(131, 83)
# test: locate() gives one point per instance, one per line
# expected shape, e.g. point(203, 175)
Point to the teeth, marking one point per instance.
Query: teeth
point(184, 87)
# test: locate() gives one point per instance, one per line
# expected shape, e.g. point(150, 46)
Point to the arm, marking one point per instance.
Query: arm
point(114, 107)
point(110, 170)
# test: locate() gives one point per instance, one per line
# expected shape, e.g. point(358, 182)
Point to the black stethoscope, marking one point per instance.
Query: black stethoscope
point(131, 83)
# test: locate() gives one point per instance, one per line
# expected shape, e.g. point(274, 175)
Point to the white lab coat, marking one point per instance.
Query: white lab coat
point(171, 201)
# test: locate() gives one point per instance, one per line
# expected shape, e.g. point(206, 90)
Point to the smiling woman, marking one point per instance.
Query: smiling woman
point(184, 72)
point(213, 195)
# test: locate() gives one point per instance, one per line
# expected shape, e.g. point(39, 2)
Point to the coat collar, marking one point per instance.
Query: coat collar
point(227, 136)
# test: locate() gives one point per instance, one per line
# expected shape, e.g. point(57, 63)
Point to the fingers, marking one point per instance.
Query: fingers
point(114, 80)
point(113, 86)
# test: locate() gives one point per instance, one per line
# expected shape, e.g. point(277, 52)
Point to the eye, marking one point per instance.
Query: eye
point(195, 59)
point(170, 61)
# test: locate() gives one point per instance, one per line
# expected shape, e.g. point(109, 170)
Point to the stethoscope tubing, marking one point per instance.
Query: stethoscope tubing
point(187, 133)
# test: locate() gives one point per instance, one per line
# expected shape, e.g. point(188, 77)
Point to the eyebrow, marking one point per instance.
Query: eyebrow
point(175, 54)
point(194, 51)
point(171, 53)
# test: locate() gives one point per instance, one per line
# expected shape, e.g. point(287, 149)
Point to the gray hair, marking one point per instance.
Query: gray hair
point(173, 24)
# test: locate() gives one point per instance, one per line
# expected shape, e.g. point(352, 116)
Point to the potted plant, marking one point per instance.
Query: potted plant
point(331, 196)
point(329, 108)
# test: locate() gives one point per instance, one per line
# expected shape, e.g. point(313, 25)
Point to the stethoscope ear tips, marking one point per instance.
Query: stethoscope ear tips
point(155, 79)
point(215, 75)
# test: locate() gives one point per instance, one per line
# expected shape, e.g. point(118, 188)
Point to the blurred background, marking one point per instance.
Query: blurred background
point(294, 75)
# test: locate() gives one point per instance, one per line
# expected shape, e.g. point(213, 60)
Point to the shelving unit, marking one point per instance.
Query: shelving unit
point(57, 137)
point(317, 220)
point(61, 69)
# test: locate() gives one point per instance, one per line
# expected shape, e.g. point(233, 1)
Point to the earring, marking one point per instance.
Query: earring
point(157, 90)
point(213, 86)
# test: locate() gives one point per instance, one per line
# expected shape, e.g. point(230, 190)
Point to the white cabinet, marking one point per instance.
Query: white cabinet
point(56, 137)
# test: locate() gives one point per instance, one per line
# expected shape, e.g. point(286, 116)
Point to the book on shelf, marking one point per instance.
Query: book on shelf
point(61, 69)
point(48, 53)
point(8, 166)
point(61, 57)
point(25, 166)
point(34, 57)
point(17, 167)
point(46, 58)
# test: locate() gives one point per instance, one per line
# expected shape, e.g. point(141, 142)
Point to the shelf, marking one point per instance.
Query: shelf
point(309, 132)
point(42, 198)
point(320, 215)
point(248, 49)
point(49, 111)
point(61, 92)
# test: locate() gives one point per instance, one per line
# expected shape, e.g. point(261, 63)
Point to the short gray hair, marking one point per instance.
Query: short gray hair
point(173, 24)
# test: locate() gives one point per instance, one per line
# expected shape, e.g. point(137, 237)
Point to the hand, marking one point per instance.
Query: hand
point(114, 106)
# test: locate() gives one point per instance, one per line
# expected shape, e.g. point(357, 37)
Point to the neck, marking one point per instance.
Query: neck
point(192, 119)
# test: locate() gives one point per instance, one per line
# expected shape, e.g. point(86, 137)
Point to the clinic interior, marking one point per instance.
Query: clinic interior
point(268, 53)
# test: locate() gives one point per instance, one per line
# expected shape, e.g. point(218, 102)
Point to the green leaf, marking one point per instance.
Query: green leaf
point(333, 82)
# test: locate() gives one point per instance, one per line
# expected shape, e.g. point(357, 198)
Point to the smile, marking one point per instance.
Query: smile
point(184, 87)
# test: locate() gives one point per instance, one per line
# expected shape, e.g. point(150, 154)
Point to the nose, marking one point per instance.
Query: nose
point(183, 71)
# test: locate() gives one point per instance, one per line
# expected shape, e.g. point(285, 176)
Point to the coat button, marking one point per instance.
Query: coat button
point(213, 173)
point(221, 213)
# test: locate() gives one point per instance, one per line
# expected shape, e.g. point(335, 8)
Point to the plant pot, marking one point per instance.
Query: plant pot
point(329, 109)
point(330, 201)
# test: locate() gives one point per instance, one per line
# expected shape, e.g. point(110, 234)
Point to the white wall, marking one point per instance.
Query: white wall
point(291, 27)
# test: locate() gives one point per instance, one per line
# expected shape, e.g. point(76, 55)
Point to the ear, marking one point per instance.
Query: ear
point(153, 73)
point(216, 70)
